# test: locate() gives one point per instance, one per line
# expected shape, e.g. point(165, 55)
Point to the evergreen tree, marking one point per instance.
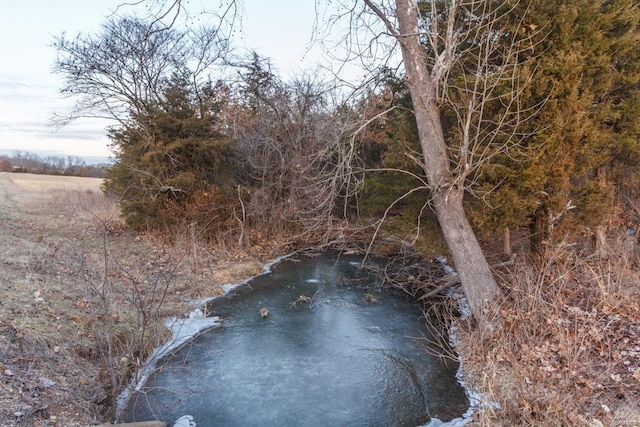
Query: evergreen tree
point(173, 165)
point(583, 141)
point(395, 183)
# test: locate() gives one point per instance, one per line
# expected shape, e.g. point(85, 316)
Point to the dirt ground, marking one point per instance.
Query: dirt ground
point(71, 277)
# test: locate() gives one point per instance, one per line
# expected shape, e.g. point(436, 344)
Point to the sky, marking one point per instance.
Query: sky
point(29, 91)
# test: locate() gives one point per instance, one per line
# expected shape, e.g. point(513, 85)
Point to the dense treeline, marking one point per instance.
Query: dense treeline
point(50, 165)
point(228, 158)
point(575, 164)
point(250, 154)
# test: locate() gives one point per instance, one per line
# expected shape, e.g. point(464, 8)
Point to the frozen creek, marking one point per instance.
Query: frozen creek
point(334, 349)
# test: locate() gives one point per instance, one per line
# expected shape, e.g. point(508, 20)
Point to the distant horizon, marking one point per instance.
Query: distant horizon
point(30, 92)
point(89, 160)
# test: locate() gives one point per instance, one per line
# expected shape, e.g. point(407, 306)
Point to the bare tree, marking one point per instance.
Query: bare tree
point(465, 58)
point(129, 69)
point(281, 132)
point(123, 70)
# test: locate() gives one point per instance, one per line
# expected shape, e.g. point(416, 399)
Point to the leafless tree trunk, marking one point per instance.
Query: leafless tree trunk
point(506, 241)
point(433, 42)
point(475, 274)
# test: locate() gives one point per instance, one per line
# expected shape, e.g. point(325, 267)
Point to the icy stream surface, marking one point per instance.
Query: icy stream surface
point(334, 350)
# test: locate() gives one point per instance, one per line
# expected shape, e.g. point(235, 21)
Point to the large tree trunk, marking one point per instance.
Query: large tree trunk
point(475, 274)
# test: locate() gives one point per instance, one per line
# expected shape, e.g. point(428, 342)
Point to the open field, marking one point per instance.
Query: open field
point(82, 299)
point(38, 184)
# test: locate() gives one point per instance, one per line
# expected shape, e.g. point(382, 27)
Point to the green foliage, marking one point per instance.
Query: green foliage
point(425, 236)
point(173, 166)
point(499, 202)
point(388, 148)
point(395, 183)
point(584, 140)
point(577, 144)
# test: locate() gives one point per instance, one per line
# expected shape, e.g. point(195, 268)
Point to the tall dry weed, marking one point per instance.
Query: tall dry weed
point(565, 350)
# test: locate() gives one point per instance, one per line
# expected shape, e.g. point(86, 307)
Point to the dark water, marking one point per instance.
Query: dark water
point(353, 356)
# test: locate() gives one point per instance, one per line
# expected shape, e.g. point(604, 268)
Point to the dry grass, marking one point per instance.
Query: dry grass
point(565, 350)
point(83, 300)
point(129, 296)
point(90, 204)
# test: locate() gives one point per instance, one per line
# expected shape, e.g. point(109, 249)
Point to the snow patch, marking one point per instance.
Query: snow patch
point(475, 399)
point(185, 421)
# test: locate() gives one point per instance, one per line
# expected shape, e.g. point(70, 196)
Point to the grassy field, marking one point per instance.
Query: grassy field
point(83, 300)
point(39, 184)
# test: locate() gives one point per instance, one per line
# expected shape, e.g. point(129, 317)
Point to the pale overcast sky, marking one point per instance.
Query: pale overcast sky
point(29, 94)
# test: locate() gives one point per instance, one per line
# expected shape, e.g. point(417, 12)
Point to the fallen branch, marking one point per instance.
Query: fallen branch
point(450, 281)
